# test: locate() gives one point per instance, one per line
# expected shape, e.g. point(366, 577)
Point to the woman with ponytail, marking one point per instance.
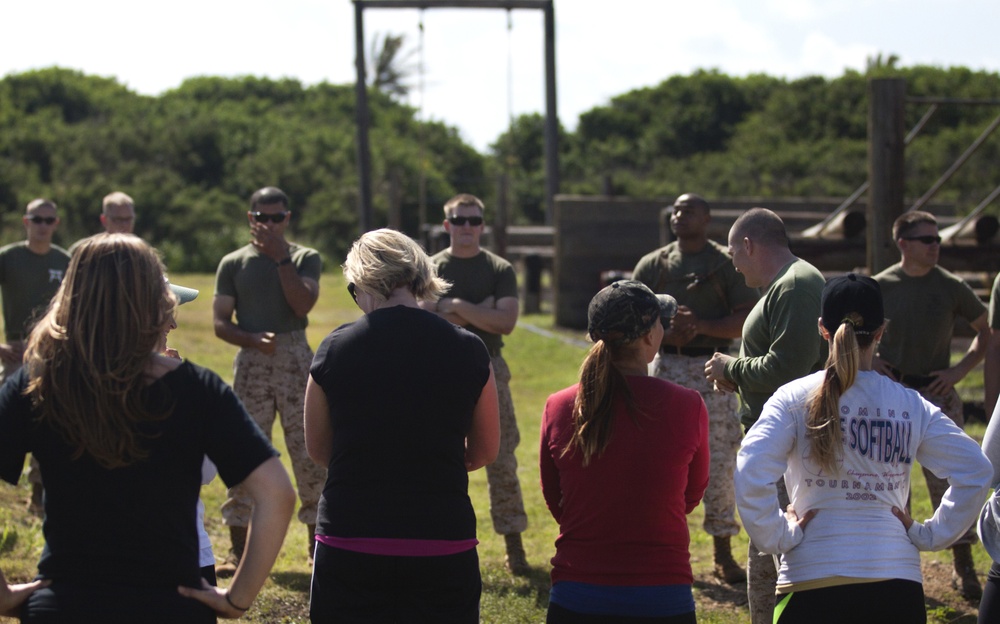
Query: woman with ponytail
point(624, 458)
point(845, 440)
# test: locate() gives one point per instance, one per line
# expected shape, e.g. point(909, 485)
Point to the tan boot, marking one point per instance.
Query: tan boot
point(312, 541)
point(726, 567)
point(516, 562)
point(238, 536)
point(36, 504)
point(964, 577)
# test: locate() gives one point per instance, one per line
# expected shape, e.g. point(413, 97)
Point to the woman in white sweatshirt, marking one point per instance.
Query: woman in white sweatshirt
point(845, 440)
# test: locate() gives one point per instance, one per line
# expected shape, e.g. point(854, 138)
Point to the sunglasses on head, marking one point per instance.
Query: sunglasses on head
point(353, 290)
point(37, 220)
point(927, 240)
point(473, 221)
point(263, 217)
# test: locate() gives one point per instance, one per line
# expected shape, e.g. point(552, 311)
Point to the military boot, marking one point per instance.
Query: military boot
point(238, 536)
point(964, 578)
point(726, 567)
point(516, 561)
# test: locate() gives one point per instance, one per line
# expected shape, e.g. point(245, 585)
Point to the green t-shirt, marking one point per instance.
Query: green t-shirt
point(252, 279)
point(781, 341)
point(476, 278)
point(27, 283)
point(921, 312)
point(706, 282)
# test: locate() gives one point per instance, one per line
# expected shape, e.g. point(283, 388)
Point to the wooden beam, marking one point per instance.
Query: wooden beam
point(886, 98)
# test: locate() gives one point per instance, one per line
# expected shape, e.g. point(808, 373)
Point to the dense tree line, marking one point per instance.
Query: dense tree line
point(192, 156)
point(759, 136)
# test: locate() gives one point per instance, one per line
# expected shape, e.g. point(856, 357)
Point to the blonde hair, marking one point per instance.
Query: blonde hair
point(823, 428)
point(87, 357)
point(117, 200)
point(601, 385)
point(383, 260)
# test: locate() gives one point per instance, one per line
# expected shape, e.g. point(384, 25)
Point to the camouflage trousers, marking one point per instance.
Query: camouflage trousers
point(762, 574)
point(277, 383)
point(724, 435)
point(506, 502)
point(951, 405)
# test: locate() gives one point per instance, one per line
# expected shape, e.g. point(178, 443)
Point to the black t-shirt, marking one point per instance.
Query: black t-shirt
point(133, 526)
point(402, 384)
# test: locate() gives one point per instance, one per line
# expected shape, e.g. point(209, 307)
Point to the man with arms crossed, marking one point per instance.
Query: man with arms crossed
point(922, 301)
point(714, 301)
point(483, 299)
point(781, 342)
point(271, 285)
point(30, 274)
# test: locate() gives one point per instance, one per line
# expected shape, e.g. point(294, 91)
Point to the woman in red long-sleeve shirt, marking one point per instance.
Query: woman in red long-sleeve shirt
point(624, 459)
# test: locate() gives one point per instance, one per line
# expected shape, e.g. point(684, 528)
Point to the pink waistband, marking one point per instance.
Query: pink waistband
point(399, 547)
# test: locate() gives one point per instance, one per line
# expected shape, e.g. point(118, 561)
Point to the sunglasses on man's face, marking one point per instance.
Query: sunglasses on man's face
point(352, 289)
point(37, 220)
point(263, 217)
point(927, 240)
point(473, 221)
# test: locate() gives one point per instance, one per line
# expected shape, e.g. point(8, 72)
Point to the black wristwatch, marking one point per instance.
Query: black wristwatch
point(285, 260)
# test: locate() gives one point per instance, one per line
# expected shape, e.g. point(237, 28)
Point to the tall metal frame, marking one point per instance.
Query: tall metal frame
point(365, 220)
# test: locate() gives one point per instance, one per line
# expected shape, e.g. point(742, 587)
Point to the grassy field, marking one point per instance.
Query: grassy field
point(541, 363)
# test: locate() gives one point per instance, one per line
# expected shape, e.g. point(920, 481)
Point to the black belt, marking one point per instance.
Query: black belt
point(692, 351)
point(913, 381)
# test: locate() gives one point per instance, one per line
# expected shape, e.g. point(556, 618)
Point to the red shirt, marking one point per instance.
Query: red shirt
point(622, 519)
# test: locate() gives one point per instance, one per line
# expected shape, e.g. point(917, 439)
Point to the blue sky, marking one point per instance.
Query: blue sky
point(603, 48)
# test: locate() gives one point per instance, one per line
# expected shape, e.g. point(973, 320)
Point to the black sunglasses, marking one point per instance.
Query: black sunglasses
point(37, 220)
point(927, 240)
point(352, 289)
point(263, 217)
point(473, 221)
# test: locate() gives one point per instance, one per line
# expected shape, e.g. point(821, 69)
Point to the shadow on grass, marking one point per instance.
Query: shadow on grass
point(292, 581)
point(720, 592)
point(500, 582)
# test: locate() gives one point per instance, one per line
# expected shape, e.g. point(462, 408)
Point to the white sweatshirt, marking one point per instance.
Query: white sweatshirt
point(886, 428)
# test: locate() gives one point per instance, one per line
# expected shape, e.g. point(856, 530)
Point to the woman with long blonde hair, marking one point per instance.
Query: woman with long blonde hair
point(845, 440)
point(623, 459)
point(120, 432)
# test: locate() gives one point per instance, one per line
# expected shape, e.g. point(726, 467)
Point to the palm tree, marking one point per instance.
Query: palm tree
point(390, 67)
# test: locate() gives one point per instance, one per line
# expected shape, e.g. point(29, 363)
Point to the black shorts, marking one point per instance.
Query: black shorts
point(883, 602)
point(349, 587)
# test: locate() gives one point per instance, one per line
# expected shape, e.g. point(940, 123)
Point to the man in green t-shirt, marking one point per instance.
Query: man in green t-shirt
point(30, 274)
point(270, 285)
point(991, 370)
point(483, 299)
point(780, 343)
point(714, 301)
point(922, 301)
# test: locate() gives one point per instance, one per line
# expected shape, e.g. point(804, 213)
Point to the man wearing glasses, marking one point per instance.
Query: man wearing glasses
point(271, 285)
point(30, 274)
point(483, 299)
point(922, 301)
point(118, 213)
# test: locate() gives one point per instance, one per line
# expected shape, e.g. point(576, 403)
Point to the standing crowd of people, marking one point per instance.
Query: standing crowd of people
point(809, 431)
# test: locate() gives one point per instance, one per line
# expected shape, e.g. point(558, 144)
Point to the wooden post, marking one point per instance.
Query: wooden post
point(551, 115)
point(362, 122)
point(500, 215)
point(886, 98)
